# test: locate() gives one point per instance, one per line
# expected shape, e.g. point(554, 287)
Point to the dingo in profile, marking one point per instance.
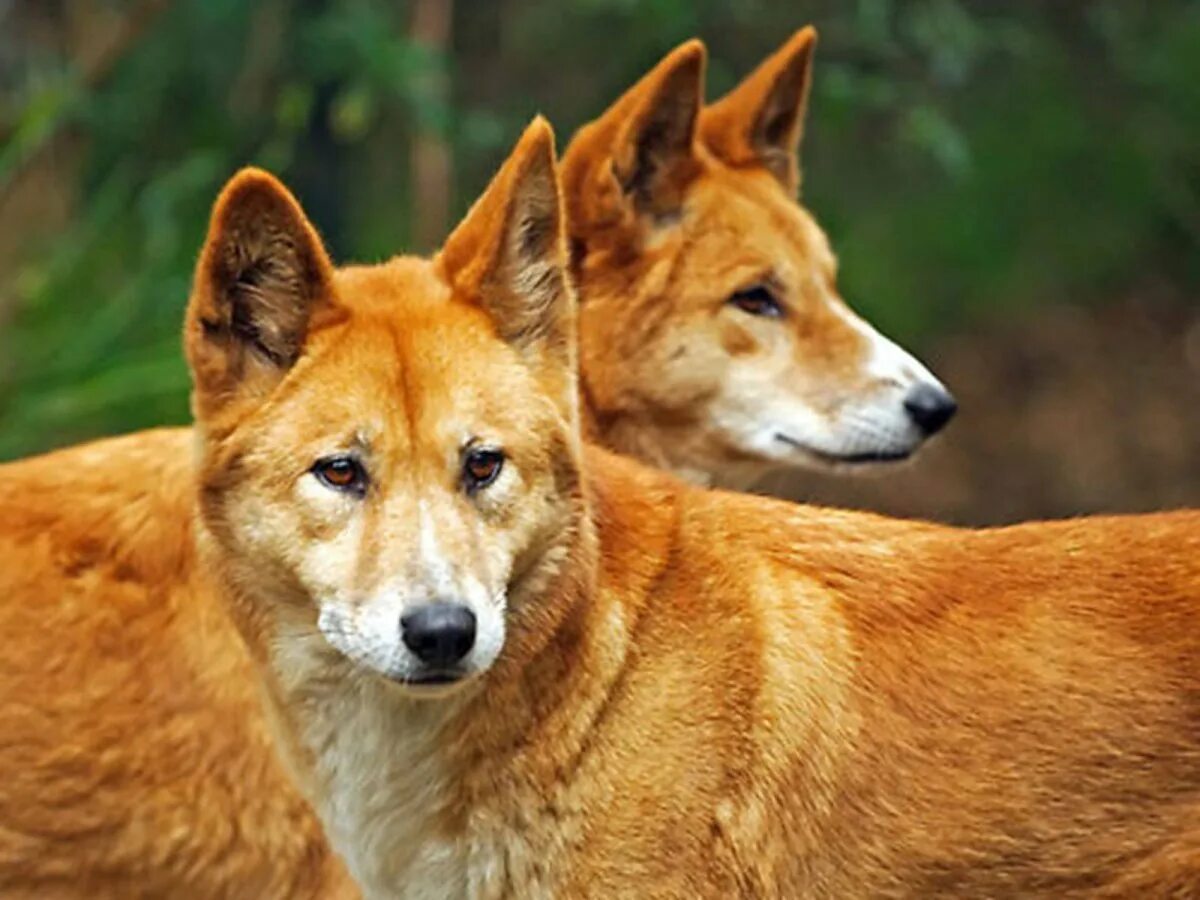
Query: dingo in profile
point(713, 340)
point(502, 664)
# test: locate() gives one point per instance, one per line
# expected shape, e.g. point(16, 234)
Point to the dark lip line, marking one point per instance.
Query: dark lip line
point(831, 459)
point(434, 678)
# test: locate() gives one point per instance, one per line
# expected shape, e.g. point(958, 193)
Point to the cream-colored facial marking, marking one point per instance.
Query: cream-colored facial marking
point(369, 629)
point(790, 374)
point(812, 383)
point(761, 411)
point(713, 340)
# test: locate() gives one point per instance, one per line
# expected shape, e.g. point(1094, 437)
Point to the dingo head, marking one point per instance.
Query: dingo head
point(713, 339)
point(389, 454)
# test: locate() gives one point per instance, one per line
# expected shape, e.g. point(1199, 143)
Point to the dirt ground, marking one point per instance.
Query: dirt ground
point(1074, 410)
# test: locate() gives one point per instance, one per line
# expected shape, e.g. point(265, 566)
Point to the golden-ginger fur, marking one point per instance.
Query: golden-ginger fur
point(134, 757)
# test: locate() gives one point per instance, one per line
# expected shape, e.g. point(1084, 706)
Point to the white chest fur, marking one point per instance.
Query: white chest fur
point(381, 792)
point(374, 771)
point(371, 768)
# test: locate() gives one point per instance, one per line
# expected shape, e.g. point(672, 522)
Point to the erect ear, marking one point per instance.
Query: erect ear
point(508, 253)
point(652, 157)
point(262, 277)
point(760, 122)
point(638, 157)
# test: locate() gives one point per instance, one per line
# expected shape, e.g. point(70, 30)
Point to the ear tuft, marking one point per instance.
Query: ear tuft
point(508, 254)
point(532, 262)
point(261, 275)
point(760, 122)
point(638, 157)
point(653, 158)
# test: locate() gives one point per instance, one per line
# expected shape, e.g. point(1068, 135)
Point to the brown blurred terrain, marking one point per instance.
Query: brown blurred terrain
point(1071, 410)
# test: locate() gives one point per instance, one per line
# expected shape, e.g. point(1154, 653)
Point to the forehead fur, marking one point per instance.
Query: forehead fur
point(736, 226)
point(739, 212)
point(408, 359)
point(747, 211)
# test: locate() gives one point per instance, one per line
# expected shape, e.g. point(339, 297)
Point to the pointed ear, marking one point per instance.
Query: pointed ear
point(760, 122)
point(509, 256)
point(262, 277)
point(638, 157)
point(652, 158)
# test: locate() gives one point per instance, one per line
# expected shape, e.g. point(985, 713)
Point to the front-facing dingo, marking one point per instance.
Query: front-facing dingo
point(502, 664)
point(713, 340)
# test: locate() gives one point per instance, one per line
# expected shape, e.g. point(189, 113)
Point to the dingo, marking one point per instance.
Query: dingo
point(713, 341)
point(503, 665)
point(135, 761)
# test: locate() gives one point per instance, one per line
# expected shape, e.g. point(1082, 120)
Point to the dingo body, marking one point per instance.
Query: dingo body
point(761, 700)
point(503, 665)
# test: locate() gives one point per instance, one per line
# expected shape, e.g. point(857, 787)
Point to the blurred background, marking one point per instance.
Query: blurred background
point(1013, 190)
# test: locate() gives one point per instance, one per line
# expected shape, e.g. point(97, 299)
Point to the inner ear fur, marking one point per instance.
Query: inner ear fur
point(262, 276)
point(653, 157)
point(509, 253)
point(638, 158)
point(761, 121)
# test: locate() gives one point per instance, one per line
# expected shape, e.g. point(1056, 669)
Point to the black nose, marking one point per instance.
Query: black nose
point(440, 634)
point(931, 407)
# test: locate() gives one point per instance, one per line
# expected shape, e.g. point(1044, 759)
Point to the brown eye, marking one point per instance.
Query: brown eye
point(757, 301)
point(480, 468)
point(341, 473)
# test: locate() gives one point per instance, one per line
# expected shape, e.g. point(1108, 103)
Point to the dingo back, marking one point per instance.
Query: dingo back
point(134, 761)
point(713, 340)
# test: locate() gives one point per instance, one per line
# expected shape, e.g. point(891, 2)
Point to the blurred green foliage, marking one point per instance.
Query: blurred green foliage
point(967, 158)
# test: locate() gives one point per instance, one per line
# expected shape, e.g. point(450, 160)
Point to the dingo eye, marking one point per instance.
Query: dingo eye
point(757, 301)
point(342, 473)
point(480, 468)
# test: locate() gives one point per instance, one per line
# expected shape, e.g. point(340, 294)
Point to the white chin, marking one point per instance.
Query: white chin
point(811, 455)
